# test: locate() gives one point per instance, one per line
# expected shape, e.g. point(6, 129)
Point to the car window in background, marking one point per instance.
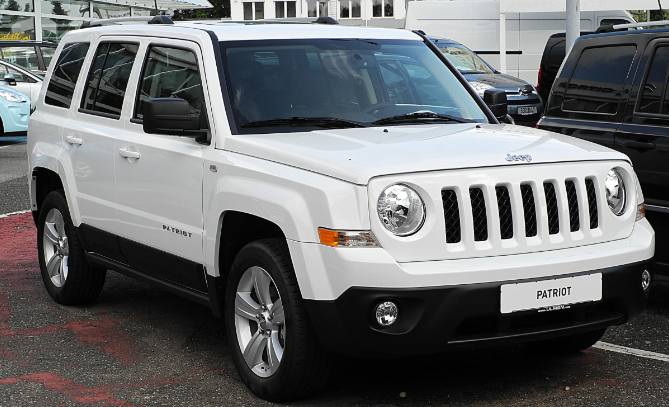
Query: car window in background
point(598, 80)
point(465, 60)
point(653, 89)
point(18, 75)
point(47, 55)
point(22, 56)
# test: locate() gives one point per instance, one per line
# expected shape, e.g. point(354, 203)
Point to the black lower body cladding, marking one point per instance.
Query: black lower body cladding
point(466, 316)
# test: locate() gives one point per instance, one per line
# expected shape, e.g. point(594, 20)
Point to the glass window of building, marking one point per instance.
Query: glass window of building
point(13, 27)
point(254, 10)
point(283, 9)
point(70, 8)
point(53, 29)
point(349, 9)
point(17, 5)
point(317, 8)
point(101, 10)
point(382, 8)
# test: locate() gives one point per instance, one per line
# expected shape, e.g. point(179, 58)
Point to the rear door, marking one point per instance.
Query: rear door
point(159, 177)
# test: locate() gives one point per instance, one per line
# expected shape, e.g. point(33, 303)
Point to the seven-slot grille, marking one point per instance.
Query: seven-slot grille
point(567, 215)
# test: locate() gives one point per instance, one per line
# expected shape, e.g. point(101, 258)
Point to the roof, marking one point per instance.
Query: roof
point(234, 31)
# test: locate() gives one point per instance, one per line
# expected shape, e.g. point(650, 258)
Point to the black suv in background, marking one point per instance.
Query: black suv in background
point(612, 90)
point(551, 60)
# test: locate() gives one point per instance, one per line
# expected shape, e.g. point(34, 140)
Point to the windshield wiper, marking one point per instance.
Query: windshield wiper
point(325, 122)
point(419, 117)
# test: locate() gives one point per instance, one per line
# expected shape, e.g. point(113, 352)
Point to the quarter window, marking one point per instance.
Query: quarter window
point(170, 73)
point(654, 89)
point(598, 80)
point(108, 78)
point(65, 74)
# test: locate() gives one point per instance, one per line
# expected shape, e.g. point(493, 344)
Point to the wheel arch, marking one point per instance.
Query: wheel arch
point(43, 181)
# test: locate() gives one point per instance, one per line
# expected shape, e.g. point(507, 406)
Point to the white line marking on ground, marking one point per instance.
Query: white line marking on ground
point(631, 351)
point(4, 215)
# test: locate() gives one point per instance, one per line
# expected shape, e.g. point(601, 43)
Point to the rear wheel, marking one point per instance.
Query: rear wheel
point(567, 344)
point(273, 345)
point(66, 275)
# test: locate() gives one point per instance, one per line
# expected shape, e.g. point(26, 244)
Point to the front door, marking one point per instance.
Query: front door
point(159, 177)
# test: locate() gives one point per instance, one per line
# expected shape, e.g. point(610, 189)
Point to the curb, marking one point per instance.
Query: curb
point(6, 215)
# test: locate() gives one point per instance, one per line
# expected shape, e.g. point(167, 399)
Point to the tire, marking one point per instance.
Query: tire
point(567, 344)
point(266, 320)
point(67, 277)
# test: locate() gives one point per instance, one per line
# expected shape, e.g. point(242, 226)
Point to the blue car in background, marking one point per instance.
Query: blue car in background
point(14, 112)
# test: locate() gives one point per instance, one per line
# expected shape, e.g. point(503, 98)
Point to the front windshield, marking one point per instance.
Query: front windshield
point(273, 83)
point(465, 60)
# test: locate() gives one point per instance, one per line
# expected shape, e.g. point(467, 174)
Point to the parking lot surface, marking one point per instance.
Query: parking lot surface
point(138, 346)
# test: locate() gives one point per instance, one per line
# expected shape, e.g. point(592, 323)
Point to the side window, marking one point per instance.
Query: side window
point(598, 80)
point(22, 56)
point(654, 88)
point(65, 74)
point(47, 55)
point(108, 78)
point(170, 73)
point(18, 75)
point(430, 92)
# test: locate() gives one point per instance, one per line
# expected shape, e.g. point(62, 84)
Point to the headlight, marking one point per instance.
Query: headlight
point(401, 210)
point(12, 96)
point(616, 195)
point(480, 87)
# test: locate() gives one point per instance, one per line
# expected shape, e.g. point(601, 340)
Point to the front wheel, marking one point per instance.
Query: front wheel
point(68, 278)
point(274, 348)
point(567, 344)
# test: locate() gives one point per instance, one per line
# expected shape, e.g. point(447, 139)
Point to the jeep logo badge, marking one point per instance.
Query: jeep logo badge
point(521, 157)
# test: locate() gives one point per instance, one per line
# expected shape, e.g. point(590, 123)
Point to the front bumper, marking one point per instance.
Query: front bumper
point(520, 115)
point(15, 117)
point(439, 318)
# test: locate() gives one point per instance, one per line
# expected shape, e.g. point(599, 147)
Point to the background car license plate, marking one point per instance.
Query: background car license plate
point(547, 293)
point(527, 110)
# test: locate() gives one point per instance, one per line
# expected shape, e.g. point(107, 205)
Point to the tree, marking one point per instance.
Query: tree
point(221, 9)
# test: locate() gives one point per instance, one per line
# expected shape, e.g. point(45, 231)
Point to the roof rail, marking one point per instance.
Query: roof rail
point(130, 20)
point(326, 20)
point(625, 27)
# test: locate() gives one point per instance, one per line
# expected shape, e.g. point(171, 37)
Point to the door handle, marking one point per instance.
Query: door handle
point(128, 153)
point(74, 141)
point(639, 145)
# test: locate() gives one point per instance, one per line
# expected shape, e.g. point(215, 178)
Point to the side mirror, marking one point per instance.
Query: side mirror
point(496, 101)
point(10, 79)
point(170, 116)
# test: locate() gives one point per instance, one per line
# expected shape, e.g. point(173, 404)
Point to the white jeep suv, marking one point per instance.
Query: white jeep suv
point(325, 189)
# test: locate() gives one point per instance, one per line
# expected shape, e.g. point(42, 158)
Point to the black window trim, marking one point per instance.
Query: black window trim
point(627, 81)
point(147, 52)
point(97, 87)
point(653, 46)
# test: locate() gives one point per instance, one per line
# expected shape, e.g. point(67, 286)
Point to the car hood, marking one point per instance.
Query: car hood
point(499, 81)
point(358, 155)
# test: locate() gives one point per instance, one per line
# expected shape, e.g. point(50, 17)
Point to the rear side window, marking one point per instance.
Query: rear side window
point(598, 80)
point(170, 73)
point(25, 56)
point(108, 78)
point(653, 98)
point(65, 74)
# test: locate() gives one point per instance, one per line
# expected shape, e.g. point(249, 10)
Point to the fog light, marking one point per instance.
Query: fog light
point(386, 313)
point(645, 281)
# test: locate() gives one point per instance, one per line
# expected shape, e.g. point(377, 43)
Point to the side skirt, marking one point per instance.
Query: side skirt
point(181, 291)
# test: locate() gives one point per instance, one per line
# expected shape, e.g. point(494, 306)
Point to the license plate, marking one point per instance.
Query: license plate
point(550, 294)
point(527, 110)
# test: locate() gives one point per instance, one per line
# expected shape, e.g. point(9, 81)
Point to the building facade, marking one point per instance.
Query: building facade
point(377, 13)
point(49, 20)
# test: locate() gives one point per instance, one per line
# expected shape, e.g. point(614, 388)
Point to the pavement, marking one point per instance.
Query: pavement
point(139, 346)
